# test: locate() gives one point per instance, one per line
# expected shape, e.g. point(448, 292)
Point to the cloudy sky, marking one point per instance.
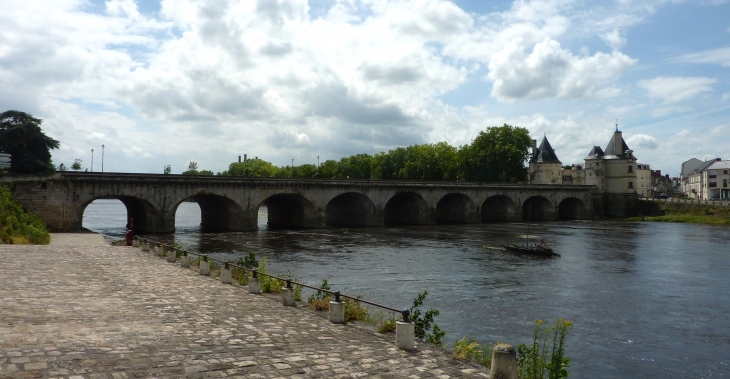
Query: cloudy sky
point(166, 82)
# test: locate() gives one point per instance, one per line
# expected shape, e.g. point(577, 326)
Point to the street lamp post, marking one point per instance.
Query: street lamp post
point(92, 160)
point(102, 158)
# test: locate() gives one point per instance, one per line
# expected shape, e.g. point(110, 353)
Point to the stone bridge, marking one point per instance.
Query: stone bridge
point(232, 203)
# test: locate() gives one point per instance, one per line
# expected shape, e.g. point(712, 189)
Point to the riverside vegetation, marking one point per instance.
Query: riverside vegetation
point(18, 226)
point(690, 213)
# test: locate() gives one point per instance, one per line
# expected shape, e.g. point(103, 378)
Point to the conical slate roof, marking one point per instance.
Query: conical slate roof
point(545, 153)
point(610, 148)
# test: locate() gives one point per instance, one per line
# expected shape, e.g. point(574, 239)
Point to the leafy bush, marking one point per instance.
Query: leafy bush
point(354, 310)
point(387, 326)
point(18, 226)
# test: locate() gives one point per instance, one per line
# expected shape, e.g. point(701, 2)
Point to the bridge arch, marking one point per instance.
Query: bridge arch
point(571, 208)
point(217, 213)
point(351, 209)
point(407, 208)
point(288, 210)
point(454, 208)
point(537, 208)
point(145, 215)
point(499, 208)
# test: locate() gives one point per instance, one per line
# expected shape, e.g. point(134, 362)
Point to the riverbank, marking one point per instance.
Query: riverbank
point(689, 213)
point(80, 307)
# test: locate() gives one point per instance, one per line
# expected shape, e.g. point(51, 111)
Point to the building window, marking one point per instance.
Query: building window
point(713, 184)
point(631, 184)
point(724, 182)
point(631, 168)
point(724, 172)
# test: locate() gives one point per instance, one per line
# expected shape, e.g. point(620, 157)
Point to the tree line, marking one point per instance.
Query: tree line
point(497, 154)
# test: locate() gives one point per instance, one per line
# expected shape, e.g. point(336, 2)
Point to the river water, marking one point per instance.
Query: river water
point(648, 300)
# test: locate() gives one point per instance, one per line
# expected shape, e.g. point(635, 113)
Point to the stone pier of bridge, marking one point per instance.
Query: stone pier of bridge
point(233, 203)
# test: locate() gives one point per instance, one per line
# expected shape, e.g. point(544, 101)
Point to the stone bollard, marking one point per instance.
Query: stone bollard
point(185, 260)
point(171, 255)
point(135, 242)
point(157, 250)
point(226, 277)
point(204, 268)
point(405, 332)
point(287, 294)
point(337, 310)
point(504, 362)
point(145, 246)
point(254, 284)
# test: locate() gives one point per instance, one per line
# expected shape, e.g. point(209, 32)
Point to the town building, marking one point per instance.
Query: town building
point(704, 180)
point(644, 183)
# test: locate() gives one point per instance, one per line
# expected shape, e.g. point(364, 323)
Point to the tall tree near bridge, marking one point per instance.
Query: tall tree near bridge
point(497, 155)
point(22, 137)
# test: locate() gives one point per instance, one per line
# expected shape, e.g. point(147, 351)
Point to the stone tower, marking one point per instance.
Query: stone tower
point(545, 167)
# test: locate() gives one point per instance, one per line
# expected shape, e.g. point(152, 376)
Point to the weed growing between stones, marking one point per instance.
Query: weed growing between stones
point(242, 275)
point(354, 310)
point(320, 300)
point(542, 357)
point(469, 349)
point(387, 326)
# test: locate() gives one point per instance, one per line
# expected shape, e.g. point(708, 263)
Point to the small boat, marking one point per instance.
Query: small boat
point(542, 250)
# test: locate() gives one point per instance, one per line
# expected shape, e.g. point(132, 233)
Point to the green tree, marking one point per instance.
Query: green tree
point(496, 155)
point(252, 167)
point(167, 170)
point(77, 165)
point(22, 137)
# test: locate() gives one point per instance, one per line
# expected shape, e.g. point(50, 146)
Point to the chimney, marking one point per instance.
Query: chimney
point(239, 159)
point(718, 159)
point(245, 157)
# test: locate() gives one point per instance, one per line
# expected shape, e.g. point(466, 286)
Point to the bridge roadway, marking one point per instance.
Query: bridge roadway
point(232, 203)
point(101, 312)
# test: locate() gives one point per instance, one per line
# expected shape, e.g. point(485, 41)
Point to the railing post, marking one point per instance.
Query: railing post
point(287, 294)
point(204, 268)
point(145, 246)
point(135, 242)
point(171, 255)
point(254, 283)
point(158, 250)
point(185, 260)
point(337, 310)
point(405, 332)
point(504, 362)
point(226, 277)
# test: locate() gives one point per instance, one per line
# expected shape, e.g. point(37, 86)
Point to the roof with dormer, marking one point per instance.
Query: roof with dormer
point(609, 152)
point(545, 153)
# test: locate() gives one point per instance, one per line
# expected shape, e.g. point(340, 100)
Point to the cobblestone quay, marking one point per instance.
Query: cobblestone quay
point(79, 308)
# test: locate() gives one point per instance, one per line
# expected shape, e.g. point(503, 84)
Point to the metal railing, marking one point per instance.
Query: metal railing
point(405, 313)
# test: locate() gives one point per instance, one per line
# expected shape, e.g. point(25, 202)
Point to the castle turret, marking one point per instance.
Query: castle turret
point(545, 167)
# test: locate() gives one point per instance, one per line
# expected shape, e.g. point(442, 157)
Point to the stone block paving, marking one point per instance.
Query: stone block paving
point(102, 312)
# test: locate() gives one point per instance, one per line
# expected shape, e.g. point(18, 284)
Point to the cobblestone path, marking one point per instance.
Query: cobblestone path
point(116, 312)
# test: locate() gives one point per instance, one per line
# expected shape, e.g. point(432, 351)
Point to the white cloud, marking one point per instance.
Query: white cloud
point(676, 89)
point(719, 56)
point(614, 39)
point(642, 141)
point(552, 72)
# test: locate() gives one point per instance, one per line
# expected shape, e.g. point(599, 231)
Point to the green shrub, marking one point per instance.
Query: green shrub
point(425, 327)
point(387, 326)
point(18, 226)
point(542, 358)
